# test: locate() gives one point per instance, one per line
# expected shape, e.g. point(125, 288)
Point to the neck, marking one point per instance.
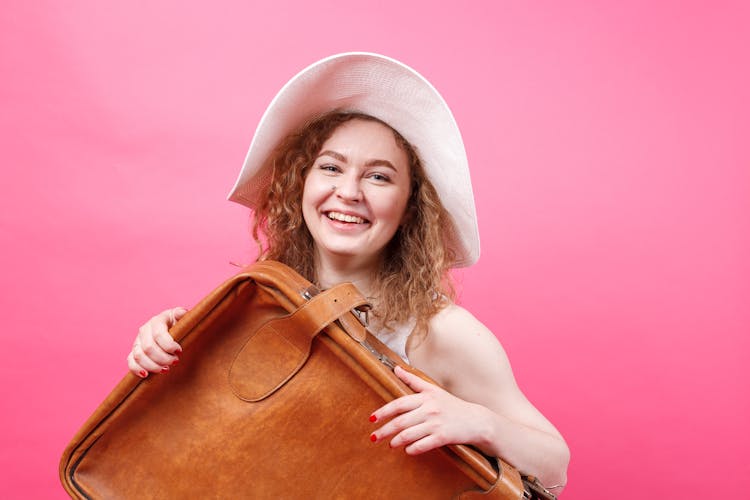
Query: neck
point(331, 271)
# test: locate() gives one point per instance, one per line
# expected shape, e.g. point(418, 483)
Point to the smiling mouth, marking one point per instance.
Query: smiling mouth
point(352, 219)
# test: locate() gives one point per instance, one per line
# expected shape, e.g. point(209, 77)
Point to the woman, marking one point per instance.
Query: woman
point(357, 173)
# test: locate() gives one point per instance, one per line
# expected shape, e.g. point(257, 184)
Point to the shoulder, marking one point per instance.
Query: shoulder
point(453, 319)
point(460, 348)
point(467, 359)
point(455, 332)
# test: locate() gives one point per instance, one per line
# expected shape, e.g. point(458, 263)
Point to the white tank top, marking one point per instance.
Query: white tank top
point(396, 339)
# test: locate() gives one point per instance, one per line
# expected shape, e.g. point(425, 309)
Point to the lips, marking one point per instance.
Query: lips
point(348, 218)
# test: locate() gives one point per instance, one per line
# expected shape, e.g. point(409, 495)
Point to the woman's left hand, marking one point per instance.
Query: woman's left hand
point(428, 419)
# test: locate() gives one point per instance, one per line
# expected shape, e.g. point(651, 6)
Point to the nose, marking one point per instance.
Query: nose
point(348, 188)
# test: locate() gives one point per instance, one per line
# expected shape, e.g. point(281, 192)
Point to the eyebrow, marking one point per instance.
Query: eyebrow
point(371, 163)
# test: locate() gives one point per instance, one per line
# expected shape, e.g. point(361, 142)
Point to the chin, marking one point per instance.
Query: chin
point(353, 254)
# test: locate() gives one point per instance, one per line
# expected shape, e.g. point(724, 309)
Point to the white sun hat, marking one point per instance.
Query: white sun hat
point(391, 92)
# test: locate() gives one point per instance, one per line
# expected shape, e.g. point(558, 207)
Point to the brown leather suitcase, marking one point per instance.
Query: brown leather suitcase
point(271, 399)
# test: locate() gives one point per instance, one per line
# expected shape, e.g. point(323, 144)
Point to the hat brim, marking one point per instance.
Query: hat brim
point(389, 91)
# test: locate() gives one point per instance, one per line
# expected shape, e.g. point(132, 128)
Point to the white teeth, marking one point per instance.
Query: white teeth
point(345, 218)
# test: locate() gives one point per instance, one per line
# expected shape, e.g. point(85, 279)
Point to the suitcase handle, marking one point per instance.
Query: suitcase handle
point(279, 348)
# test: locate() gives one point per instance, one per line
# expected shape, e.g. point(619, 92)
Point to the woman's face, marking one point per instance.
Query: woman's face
point(356, 192)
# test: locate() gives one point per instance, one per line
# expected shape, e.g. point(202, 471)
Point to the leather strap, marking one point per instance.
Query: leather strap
point(278, 349)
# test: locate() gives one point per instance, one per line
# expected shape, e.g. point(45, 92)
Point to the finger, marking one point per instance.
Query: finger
point(146, 362)
point(411, 435)
point(425, 444)
point(415, 382)
point(164, 340)
point(178, 313)
point(150, 347)
point(168, 345)
point(398, 425)
point(135, 368)
point(396, 407)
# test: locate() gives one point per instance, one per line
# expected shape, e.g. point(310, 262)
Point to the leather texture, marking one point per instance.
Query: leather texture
point(271, 399)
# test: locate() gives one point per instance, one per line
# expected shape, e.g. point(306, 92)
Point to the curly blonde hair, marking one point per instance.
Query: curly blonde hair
point(412, 280)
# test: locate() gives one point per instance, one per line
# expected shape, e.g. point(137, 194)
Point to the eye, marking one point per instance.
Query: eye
point(377, 176)
point(329, 167)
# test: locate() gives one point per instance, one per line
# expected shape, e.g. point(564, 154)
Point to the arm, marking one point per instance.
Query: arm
point(484, 407)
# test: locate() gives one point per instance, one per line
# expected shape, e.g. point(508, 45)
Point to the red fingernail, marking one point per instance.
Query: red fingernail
point(175, 361)
point(373, 438)
point(165, 369)
point(373, 418)
point(143, 373)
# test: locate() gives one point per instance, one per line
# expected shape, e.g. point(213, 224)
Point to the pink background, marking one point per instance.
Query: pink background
point(608, 143)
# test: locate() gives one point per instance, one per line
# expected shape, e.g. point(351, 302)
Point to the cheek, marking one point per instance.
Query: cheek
point(402, 204)
point(307, 204)
point(312, 197)
point(313, 188)
point(394, 209)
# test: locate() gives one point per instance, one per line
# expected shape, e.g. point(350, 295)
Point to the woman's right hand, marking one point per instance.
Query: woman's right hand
point(154, 349)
